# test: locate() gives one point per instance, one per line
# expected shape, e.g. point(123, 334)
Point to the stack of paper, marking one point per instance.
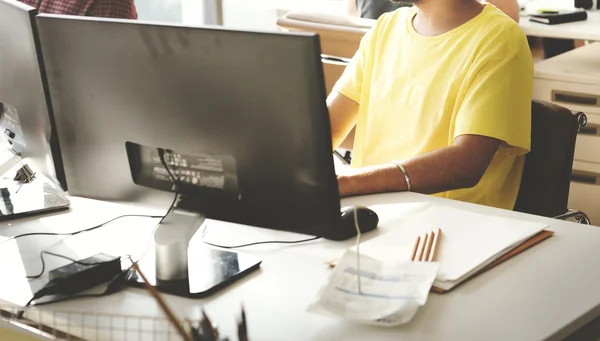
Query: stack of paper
point(470, 241)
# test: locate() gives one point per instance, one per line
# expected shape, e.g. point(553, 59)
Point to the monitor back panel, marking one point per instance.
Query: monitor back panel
point(255, 98)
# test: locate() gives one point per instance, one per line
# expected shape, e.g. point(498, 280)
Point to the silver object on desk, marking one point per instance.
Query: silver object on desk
point(171, 244)
point(25, 174)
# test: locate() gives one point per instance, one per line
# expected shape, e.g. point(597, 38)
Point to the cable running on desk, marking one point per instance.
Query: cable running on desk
point(77, 232)
point(261, 243)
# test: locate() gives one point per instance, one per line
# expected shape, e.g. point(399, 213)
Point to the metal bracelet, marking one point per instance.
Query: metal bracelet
point(406, 178)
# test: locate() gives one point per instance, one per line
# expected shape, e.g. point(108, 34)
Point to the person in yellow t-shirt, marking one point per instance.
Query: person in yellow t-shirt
point(440, 96)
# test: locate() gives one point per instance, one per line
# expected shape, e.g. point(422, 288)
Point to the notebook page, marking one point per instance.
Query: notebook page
point(449, 284)
point(469, 240)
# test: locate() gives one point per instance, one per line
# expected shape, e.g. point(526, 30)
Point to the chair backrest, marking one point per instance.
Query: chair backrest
point(547, 173)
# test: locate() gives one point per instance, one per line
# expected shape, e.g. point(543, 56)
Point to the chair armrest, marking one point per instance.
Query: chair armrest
point(579, 216)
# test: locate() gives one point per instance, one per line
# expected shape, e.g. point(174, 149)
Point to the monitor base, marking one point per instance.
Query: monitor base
point(210, 270)
point(182, 265)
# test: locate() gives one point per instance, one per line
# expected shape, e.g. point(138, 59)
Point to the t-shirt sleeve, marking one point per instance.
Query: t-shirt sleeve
point(497, 103)
point(350, 83)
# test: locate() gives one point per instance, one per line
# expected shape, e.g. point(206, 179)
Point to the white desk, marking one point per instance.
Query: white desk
point(545, 293)
point(581, 30)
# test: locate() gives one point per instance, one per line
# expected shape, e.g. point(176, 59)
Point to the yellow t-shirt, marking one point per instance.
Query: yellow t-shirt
point(418, 93)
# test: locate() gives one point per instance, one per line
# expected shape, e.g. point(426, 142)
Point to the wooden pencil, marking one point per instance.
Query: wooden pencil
point(436, 245)
point(416, 248)
point(421, 256)
point(428, 246)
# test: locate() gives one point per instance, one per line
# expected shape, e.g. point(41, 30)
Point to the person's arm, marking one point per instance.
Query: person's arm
point(343, 101)
point(509, 7)
point(460, 165)
point(121, 9)
point(343, 113)
point(351, 8)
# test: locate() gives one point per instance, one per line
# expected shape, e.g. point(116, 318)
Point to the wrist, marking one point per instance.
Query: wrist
point(373, 179)
point(403, 175)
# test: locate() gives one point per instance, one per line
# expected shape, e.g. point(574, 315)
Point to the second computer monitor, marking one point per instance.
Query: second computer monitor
point(25, 114)
point(251, 105)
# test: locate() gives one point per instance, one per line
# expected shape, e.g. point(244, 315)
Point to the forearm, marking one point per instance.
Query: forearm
point(438, 171)
point(442, 170)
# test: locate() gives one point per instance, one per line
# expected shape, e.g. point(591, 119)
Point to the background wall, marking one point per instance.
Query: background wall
point(160, 10)
point(248, 14)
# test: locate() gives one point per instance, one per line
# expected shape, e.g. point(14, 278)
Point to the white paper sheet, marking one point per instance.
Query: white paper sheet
point(390, 292)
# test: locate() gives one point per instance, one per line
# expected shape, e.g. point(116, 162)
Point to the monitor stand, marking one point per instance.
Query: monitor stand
point(195, 271)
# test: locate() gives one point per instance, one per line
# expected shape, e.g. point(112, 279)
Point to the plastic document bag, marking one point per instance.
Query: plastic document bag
point(381, 293)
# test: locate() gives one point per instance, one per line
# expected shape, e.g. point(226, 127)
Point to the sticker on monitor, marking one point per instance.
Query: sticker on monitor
point(185, 171)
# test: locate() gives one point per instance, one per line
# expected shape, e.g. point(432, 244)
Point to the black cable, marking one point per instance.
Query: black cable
point(170, 208)
point(41, 273)
point(118, 280)
point(76, 232)
point(264, 242)
point(161, 155)
point(66, 298)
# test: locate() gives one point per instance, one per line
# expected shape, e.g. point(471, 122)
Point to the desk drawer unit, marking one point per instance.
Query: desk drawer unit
point(579, 97)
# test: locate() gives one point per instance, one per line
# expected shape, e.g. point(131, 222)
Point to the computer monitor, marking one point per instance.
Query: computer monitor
point(240, 116)
point(25, 119)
